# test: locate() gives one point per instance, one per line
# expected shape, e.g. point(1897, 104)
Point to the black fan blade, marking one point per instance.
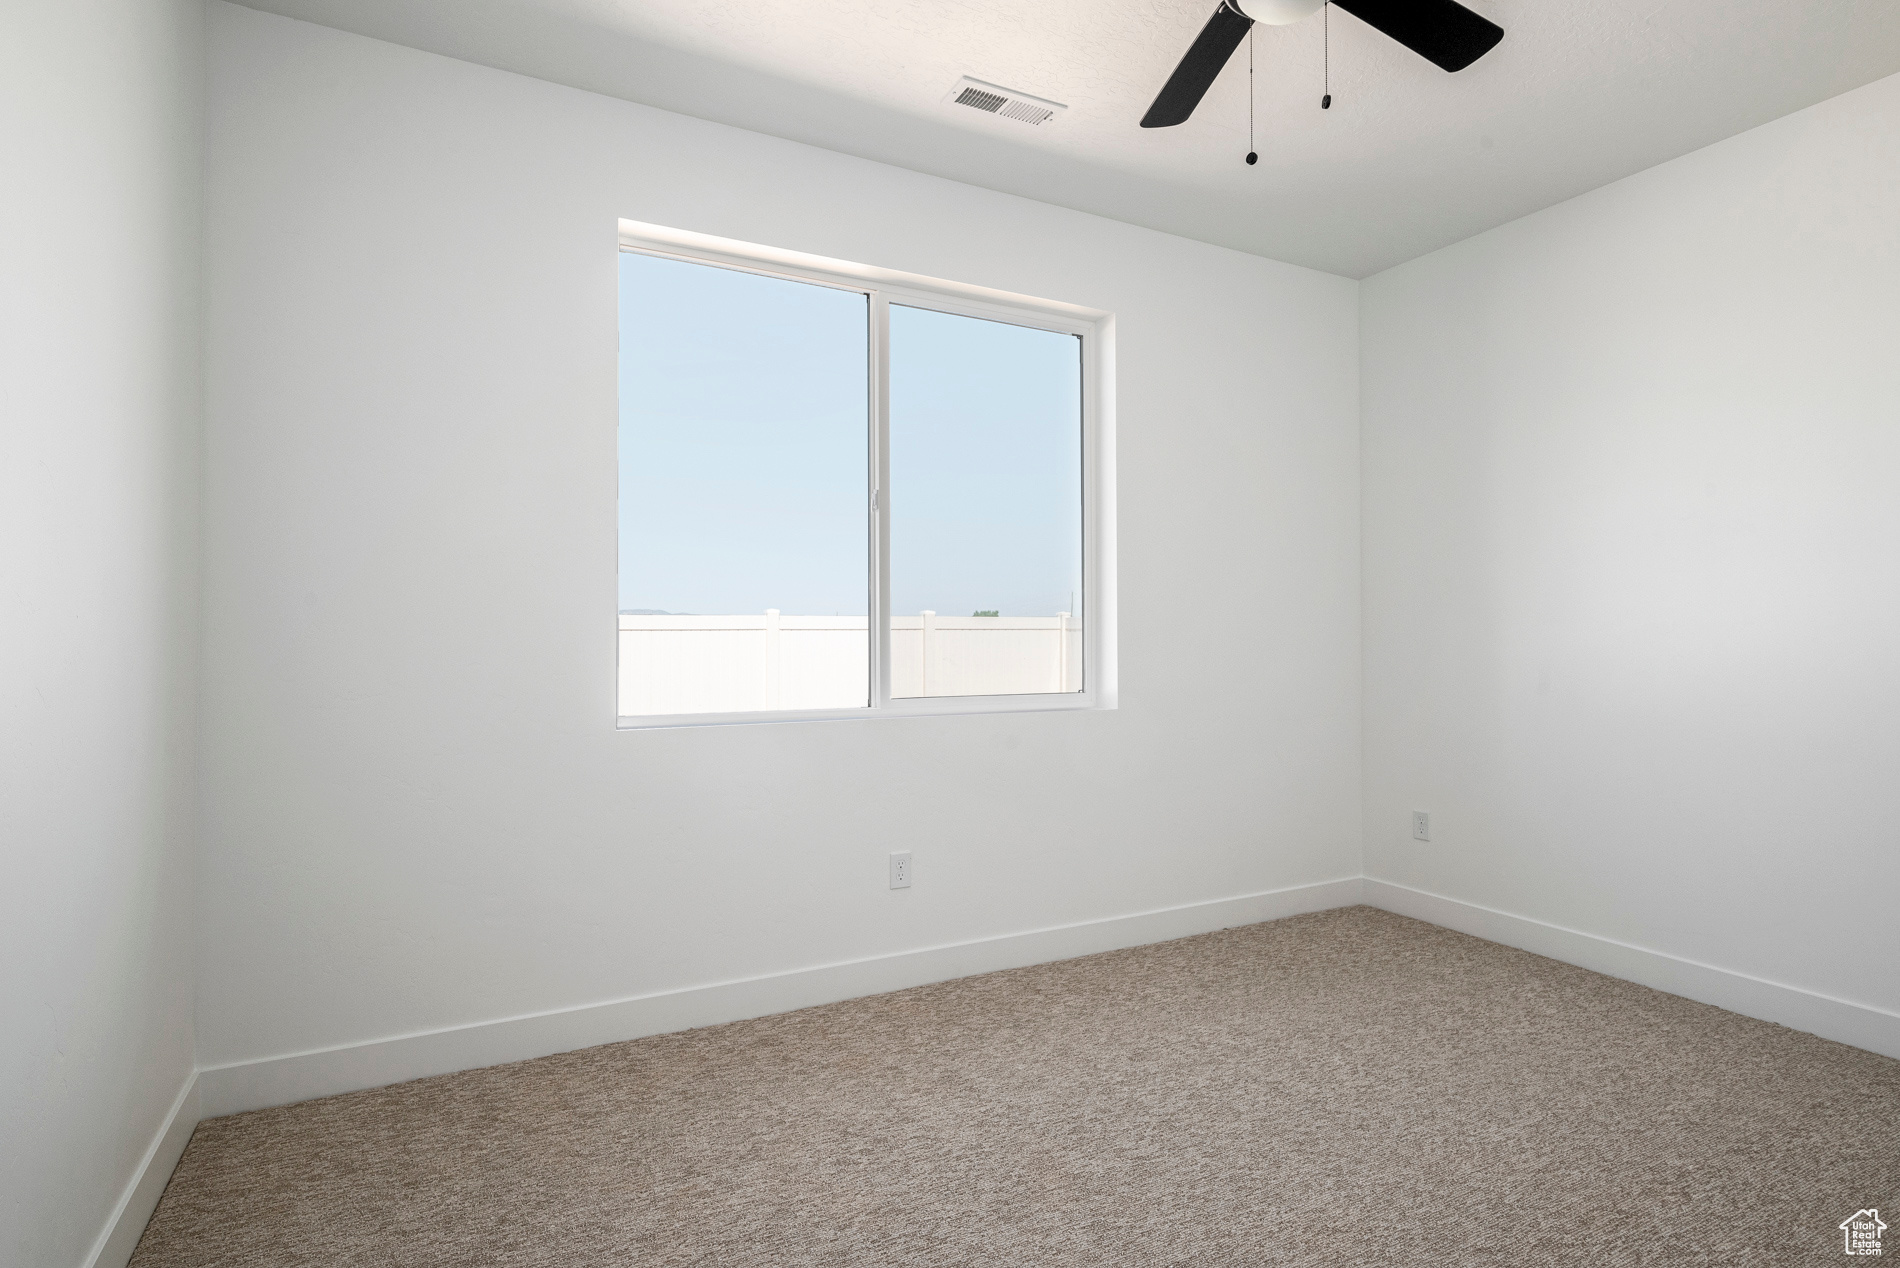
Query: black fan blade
point(1440, 31)
point(1192, 78)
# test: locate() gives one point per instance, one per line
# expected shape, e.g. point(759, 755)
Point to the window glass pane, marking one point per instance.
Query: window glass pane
point(744, 432)
point(986, 507)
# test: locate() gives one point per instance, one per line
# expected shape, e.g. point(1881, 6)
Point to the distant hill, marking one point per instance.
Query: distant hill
point(651, 612)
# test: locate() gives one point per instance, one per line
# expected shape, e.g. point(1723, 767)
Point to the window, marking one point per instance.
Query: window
point(846, 493)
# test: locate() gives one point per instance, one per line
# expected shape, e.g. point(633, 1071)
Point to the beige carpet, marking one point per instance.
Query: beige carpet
point(1344, 1088)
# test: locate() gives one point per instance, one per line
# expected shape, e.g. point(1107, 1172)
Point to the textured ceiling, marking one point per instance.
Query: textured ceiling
point(1409, 159)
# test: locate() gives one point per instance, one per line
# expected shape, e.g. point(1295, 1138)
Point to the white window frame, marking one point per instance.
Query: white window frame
point(882, 288)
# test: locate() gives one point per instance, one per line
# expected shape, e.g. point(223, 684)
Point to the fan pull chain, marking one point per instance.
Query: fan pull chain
point(1326, 56)
point(1252, 157)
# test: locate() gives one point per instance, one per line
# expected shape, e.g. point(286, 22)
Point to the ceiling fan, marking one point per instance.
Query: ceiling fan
point(1443, 32)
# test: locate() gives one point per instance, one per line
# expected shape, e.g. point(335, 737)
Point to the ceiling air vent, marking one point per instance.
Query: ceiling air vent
point(1006, 102)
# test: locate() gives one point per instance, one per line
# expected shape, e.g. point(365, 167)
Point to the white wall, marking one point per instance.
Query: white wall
point(100, 143)
point(411, 414)
point(1632, 558)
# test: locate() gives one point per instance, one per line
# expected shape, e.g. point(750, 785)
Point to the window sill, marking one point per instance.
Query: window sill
point(918, 707)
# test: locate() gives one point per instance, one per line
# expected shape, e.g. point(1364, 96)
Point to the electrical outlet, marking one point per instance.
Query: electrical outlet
point(900, 869)
point(1421, 826)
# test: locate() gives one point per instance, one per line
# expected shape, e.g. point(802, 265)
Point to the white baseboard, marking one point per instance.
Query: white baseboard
point(120, 1237)
point(229, 1089)
point(1840, 1020)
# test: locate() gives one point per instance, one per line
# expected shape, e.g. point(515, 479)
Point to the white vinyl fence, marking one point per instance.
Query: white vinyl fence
point(736, 664)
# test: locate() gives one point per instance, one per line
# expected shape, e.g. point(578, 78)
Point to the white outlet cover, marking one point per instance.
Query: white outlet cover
point(900, 869)
point(1421, 826)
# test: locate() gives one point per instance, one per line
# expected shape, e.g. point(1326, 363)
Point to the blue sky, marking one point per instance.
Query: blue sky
point(743, 451)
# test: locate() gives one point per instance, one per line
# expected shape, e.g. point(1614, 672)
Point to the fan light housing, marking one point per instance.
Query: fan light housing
point(1278, 12)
